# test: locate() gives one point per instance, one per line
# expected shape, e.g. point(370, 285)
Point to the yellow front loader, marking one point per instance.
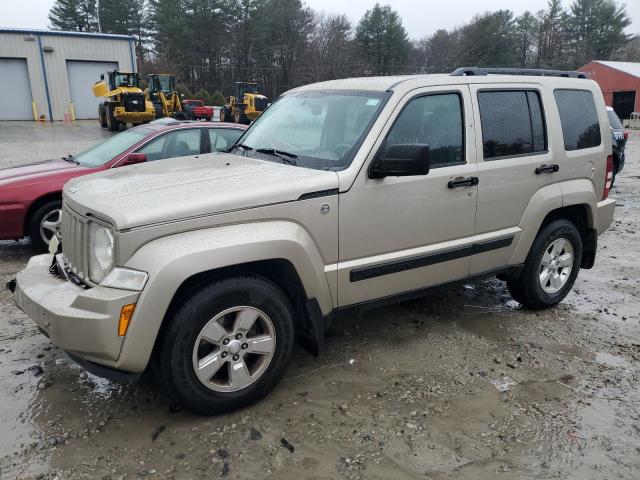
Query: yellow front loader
point(124, 100)
point(162, 93)
point(247, 104)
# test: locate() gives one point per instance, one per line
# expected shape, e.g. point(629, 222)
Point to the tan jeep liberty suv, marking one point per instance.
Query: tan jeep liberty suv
point(345, 193)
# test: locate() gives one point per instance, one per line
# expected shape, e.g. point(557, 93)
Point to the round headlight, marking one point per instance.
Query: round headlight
point(100, 252)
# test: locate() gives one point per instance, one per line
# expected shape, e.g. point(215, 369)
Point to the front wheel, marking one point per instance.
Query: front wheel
point(227, 345)
point(551, 267)
point(44, 224)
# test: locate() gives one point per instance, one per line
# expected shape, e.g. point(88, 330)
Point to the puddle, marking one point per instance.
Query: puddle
point(610, 360)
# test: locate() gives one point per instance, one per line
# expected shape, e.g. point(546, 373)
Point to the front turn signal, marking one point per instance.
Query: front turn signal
point(125, 319)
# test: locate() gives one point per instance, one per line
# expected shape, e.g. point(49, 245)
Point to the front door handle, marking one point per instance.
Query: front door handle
point(552, 168)
point(463, 182)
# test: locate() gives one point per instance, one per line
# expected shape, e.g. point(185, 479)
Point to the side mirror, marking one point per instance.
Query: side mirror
point(402, 160)
point(134, 158)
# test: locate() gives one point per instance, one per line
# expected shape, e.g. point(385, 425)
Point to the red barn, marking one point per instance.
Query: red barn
point(620, 84)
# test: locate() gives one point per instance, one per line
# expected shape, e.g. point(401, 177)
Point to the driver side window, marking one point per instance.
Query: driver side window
point(434, 120)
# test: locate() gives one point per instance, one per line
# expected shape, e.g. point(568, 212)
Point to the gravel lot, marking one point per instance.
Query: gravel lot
point(404, 392)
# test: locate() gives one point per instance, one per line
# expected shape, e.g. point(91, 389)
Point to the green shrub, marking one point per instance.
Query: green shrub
point(217, 99)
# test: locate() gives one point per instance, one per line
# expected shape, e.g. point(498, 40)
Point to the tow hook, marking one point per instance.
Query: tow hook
point(11, 285)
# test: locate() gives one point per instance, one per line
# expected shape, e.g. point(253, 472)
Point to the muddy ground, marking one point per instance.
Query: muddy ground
point(404, 392)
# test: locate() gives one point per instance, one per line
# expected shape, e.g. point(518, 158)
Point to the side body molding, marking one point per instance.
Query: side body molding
point(171, 260)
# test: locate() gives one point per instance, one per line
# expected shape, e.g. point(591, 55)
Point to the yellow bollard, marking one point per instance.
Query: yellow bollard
point(35, 111)
point(73, 112)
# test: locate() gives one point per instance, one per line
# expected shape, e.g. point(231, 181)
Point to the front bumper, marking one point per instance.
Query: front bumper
point(605, 214)
point(83, 322)
point(134, 117)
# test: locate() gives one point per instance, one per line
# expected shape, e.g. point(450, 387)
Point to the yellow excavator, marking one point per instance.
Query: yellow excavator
point(247, 104)
point(162, 93)
point(124, 100)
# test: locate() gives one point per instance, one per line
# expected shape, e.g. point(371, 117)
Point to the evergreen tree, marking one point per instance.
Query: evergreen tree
point(74, 15)
point(596, 29)
point(383, 40)
point(489, 40)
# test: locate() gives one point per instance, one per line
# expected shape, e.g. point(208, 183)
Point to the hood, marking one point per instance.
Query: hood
point(179, 188)
point(37, 172)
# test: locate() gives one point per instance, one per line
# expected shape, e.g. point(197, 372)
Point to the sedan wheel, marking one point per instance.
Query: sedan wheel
point(50, 225)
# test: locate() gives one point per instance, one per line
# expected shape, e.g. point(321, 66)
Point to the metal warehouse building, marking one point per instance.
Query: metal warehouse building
point(45, 73)
point(620, 84)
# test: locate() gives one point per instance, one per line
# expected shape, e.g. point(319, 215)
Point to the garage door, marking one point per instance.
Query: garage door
point(15, 99)
point(82, 76)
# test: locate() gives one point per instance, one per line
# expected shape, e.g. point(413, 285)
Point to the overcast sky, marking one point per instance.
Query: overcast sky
point(420, 17)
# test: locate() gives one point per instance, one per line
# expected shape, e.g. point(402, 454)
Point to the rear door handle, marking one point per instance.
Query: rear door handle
point(547, 168)
point(463, 182)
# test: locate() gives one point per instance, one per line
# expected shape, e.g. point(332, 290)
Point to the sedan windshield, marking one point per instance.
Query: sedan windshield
point(107, 150)
point(315, 129)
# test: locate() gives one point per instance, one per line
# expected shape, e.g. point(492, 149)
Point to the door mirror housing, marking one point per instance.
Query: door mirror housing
point(401, 160)
point(134, 158)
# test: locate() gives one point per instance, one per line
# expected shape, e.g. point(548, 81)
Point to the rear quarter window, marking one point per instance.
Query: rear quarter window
point(579, 119)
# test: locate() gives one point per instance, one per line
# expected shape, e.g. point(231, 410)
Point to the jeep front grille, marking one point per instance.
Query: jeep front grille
point(74, 240)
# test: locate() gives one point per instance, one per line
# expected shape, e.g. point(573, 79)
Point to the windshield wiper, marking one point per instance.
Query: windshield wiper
point(286, 157)
point(242, 146)
point(69, 158)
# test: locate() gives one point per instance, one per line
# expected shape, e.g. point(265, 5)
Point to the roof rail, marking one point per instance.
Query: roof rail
point(480, 71)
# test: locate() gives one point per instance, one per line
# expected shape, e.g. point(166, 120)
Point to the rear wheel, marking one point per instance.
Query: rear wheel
point(102, 115)
point(551, 267)
point(227, 345)
point(112, 124)
point(616, 166)
point(44, 224)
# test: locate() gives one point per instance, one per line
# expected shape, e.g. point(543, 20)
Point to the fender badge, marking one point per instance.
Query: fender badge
point(324, 208)
point(73, 189)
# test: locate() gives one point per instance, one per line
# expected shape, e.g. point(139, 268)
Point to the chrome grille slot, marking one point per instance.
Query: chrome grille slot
point(73, 241)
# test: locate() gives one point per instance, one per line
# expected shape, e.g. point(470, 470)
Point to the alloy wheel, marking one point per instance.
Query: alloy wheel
point(234, 349)
point(50, 225)
point(556, 265)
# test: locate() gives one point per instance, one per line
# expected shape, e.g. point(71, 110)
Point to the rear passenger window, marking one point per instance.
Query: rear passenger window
point(512, 123)
point(579, 119)
point(434, 120)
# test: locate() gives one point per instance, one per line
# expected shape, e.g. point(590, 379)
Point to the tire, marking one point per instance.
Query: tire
point(112, 124)
point(529, 288)
point(158, 110)
point(616, 166)
point(44, 213)
point(178, 356)
point(102, 115)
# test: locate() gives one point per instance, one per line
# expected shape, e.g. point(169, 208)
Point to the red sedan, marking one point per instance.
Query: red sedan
point(31, 195)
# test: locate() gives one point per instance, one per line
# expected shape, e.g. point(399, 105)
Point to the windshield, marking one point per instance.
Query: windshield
point(107, 150)
point(125, 80)
point(251, 88)
point(163, 83)
point(614, 120)
point(320, 129)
